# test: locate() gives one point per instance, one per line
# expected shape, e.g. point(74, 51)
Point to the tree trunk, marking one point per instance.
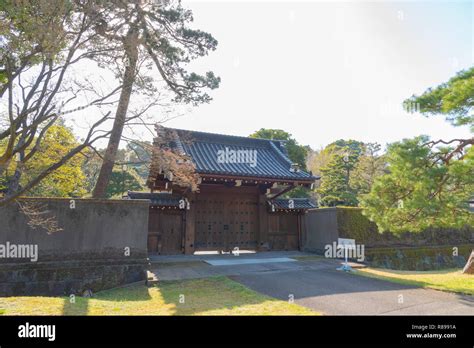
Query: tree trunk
point(131, 51)
point(14, 181)
point(469, 268)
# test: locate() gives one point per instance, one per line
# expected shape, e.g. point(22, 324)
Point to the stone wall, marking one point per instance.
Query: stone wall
point(100, 244)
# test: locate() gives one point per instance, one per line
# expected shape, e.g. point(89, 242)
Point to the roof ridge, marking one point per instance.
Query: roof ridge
point(281, 154)
point(226, 135)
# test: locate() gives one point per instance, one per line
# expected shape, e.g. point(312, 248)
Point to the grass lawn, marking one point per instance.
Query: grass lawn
point(210, 296)
point(448, 280)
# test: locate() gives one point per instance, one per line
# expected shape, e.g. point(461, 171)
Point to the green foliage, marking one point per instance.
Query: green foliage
point(335, 189)
point(419, 259)
point(31, 31)
point(352, 223)
point(296, 152)
point(335, 186)
point(452, 99)
point(66, 181)
point(3, 184)
point(122, 181)
point(369, 166)
point(347, 169)
point(429, 182)
point(298, 192)
point(139, 157)
point(136, 158)
point(418, 193)
point(165, 38)
point(150, 34)
point(3, 77)
point(318, 159)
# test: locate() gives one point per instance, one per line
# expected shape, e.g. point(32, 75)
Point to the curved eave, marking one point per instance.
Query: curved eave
point(233, 176)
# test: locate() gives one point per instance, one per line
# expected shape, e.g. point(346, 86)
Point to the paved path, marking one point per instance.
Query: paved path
point(338, 293)
point(243, 254)
point(317, 285)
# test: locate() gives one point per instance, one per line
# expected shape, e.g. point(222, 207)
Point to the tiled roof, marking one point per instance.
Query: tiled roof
point(298, 203)
point(160, 199)
point(266, 158)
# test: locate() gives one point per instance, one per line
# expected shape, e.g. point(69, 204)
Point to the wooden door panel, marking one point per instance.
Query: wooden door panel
point(283, 231)
point(243, 215)
point(165, 232)
point(209, 223)
point(224, 222)
point(152, 243)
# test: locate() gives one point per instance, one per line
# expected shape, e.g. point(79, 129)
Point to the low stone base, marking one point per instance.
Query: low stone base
point(59, 278)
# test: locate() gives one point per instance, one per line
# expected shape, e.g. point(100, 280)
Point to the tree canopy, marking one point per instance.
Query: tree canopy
point(335, 186)
point(123, 180)
point(146, 44)
point(66, 181)
point(417, 193)
point(453, 99)
point(296, 152)
point(429, 182)
point(39, 42)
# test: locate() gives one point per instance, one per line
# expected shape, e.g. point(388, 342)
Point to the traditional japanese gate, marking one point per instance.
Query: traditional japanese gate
point(235, 182)
point(221, 219)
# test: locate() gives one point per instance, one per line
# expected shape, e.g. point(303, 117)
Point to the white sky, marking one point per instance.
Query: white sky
point(329, 70)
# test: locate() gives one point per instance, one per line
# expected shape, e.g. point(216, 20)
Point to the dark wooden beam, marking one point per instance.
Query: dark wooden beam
point(259, 180)
point(289, 188)
point(190, 225)
point(262, 233)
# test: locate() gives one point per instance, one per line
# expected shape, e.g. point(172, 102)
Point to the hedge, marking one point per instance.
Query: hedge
point(352, 224)
point(419, 259)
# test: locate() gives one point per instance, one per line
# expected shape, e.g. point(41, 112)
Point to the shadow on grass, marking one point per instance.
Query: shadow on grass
point(80, 305)
point(215, 295)
point(198, 296)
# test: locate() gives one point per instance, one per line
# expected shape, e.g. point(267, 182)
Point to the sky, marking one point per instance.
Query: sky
point(324, 70)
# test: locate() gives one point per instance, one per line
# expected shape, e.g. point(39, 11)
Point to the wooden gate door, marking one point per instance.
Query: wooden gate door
point(283, 231)
point(209, 223)
point(224, 222)
point(241, 218)
point(165, 232)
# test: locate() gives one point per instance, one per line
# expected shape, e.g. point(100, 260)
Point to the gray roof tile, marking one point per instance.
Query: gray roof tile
point(271, 160)
point(298, 203)
point(160, 199)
